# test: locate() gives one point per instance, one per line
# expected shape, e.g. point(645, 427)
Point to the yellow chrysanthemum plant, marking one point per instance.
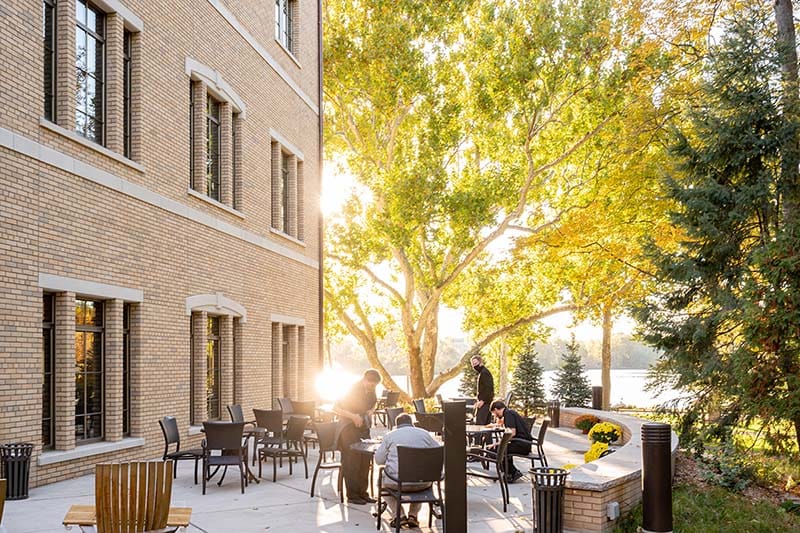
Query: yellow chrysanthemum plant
point(605, 432)
point(595, 452)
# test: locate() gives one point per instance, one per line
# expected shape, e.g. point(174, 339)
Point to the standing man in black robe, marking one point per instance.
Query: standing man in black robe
point(485, 391)
point(355, 412)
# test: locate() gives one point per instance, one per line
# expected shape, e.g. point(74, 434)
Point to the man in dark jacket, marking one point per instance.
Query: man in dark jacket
point(355, 412)
point(485, 391)
point(519, 430)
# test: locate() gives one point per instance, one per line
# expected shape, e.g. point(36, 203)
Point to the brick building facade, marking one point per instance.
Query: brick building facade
point(159, 219)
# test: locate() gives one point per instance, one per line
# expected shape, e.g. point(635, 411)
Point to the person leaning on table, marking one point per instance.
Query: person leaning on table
point(355, 412)
point(404, 434)
point(519, 430)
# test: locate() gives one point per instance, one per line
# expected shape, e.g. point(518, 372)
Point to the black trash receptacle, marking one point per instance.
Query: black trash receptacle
point(548, 499)
point(15, 460)
point(554, 413)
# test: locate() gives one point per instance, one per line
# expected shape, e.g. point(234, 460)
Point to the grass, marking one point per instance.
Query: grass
point(717, 510)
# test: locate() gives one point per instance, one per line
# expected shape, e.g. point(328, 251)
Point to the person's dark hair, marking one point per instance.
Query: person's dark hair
point(372, 375)
point(497, 404)
point(403, 419)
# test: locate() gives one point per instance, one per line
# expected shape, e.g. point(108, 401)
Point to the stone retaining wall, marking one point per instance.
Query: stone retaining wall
point(615, 478)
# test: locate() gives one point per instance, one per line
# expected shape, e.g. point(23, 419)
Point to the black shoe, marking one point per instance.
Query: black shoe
point(368, 499)
point(516, 476)
point(393, 523)
point(412, 522)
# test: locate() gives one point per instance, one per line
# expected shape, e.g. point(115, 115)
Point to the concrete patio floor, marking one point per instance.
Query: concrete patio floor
point(285, 506)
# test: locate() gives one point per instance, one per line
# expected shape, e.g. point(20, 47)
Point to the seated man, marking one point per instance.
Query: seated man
point(404, 434)
point(519, 430)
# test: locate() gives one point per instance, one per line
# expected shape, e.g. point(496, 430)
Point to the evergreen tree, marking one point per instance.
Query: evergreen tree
point(728, 315)
point(572, 386)
point(526, 382)
point(469, 380)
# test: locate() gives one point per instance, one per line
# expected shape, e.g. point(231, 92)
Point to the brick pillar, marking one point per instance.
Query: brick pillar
point(137, 140)
point(199, 366)
point(237, 154)
point(277, 360)
point(301, 203)
point(293, 370)
point(139, 424)
point(292, 207)
point(113, 362)
point(66, 77)
point(65, 371)
point(277, 219)
point(225, 153)
point(226, 361)
point(114, 82)
point(200, 97)
point(238, 375)
point(294, 31)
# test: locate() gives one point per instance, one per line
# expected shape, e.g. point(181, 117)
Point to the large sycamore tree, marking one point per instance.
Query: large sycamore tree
point(468, 126)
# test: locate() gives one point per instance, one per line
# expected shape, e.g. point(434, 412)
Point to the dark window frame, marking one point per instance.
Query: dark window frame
point(286, 381)
point(127, 91)
point(50, 64)
point(284, 15)
point(99, 95)
point(191, 136)
point(48, 378)
point(100, 330)
point(213, 149)
point(235, 118)
point(284, 180)
point(213, 374)
point(126, 369)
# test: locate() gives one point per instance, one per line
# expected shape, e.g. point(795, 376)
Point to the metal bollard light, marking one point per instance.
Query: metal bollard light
point(656, 478)
point(554, 412)
point(597, 398)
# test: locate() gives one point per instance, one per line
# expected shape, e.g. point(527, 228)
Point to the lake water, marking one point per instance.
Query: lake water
point(627, 387)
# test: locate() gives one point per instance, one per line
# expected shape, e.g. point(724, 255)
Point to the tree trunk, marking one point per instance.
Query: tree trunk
point(503, 369)
point(606, 357)
point(415, 370)
point(787, 49)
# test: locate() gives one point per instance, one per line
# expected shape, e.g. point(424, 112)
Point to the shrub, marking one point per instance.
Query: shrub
point(605, 432)
point(586, 422)
point(595, 452)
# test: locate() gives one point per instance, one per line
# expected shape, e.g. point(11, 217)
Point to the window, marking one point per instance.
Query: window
point(284, 15)
point(126, 94)
point(48, 385)
point(213, 149)
point(90, 64)
point(235, 171)
point(283, 194)
point(287, 188)
point(126, 369)
point(49, 35)
point(212, 369)
point(191, 136)
point(285, 362)
point(89, 370)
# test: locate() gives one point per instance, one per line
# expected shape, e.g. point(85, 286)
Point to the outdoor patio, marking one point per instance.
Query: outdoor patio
point(286, 505)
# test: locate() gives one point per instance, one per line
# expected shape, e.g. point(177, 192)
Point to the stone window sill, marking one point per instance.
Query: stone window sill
point(88, 450)
point(286, 236)
point(195, 430)
point(289, 53)
point(71, 135)
point(220, 205)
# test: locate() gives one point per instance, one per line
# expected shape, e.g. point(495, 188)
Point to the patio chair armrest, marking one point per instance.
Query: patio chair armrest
point(523, 441)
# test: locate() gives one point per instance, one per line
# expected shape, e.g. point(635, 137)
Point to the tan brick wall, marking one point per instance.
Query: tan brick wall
point(114, 83)
point(113, 367)
point(55, 222)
